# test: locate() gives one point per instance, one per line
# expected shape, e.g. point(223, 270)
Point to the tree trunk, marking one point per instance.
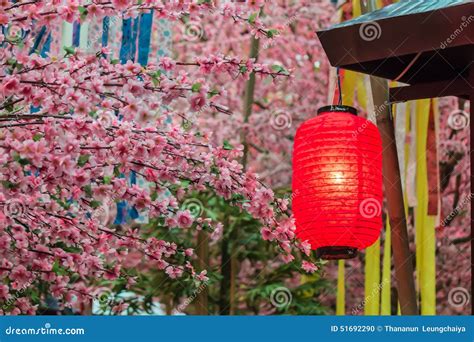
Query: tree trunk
point(202, 304)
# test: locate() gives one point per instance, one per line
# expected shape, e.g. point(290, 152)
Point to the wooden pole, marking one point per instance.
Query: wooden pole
point(202, 305)
point(247, 110)
point(393, 189)
point(224, 297)
point(249, 98)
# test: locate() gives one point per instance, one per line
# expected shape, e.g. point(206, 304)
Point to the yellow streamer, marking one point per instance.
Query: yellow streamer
point(424, 223)
point(372, 279)
point(386, 305)
point(341, 291)
point(356, 10)
point(349, 86)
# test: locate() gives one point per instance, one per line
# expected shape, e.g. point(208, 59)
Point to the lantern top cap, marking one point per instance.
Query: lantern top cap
point(337, 109)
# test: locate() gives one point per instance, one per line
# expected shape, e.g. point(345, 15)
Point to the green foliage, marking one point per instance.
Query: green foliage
point(244, 242)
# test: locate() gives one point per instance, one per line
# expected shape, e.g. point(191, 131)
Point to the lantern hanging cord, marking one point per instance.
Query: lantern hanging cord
point(339, 86)
point(408, 67)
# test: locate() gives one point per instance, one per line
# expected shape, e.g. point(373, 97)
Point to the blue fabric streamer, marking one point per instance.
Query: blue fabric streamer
point(47, 46)
point(133, 31)
point(125, 49)
point(105, 31)
point(38, 39)
point(43, 51)
point(76, 34)
point(144, 39)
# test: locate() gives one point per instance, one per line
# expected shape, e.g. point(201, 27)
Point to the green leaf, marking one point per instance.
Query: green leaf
point(11, 61)
point(56, 267)
point(114, 61)
point(72, 249)
point(116, 170)
point(23, 161)
point(83, 159)
point(196, 87)
point(155, 77)
point(243, 69)
point(19, 160)
point(83, 12)
point(88, 190)
point(95, 204)
point(272, 33)
point(9, 185)
point(278, 68)
point(37, 137)
point(252, 18)
point(156, 74)
point(107, 179)
point(238, 197)
point(185, 183)
point(227, 145)
point(212, 93)
point(70, 50)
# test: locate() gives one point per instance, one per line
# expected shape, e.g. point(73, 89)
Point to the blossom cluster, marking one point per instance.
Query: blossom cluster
point(74, 126)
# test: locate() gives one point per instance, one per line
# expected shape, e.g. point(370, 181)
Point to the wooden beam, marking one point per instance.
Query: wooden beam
point(459, 87)
point(397, 35)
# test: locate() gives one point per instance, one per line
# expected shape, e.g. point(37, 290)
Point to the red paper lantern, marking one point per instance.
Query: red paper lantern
point(337, 182)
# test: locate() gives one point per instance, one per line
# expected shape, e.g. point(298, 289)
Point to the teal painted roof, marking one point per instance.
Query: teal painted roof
point(404, 7)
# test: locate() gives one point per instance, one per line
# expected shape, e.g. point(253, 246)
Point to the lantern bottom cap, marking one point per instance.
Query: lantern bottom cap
point(336, 252)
